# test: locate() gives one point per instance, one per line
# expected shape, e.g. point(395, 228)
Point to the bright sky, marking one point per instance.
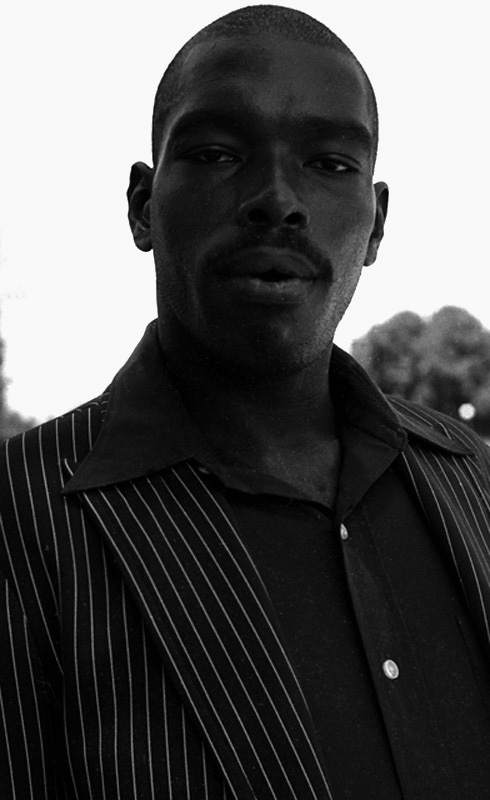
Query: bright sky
point(78, 81)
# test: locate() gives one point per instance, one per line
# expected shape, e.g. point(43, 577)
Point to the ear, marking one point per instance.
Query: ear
point(382, 193)
point(139, 196)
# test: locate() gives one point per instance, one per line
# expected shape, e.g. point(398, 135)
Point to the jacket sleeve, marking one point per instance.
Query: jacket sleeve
point(484, 460)
point(30, 716)
point(27, 740)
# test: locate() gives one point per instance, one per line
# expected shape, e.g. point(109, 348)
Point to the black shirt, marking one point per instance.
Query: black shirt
point(377, 631)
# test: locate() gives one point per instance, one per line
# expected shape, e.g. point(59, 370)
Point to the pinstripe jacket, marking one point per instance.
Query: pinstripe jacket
point(139, 655)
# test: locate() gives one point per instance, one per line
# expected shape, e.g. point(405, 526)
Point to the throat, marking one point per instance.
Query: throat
point(312, 474)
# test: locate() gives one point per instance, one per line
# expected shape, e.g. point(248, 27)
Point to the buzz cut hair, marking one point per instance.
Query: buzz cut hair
point(288, 22)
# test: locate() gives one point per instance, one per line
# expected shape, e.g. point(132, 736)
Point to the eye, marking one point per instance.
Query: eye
point(212, 155)
point(330, 164)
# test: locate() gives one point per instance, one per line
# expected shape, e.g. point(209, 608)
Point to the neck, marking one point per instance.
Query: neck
point(259, 421)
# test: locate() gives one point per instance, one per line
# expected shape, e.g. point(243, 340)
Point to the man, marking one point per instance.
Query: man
point(242, 572)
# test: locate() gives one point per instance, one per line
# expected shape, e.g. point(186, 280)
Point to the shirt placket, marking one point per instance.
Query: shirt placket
point(422, 763)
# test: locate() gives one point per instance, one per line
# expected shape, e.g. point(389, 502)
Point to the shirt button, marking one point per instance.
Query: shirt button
point(390, 669)
point(344, 533)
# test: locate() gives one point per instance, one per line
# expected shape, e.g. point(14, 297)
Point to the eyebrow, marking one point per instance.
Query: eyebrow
point(348, 128)
point(308, 126)
point(202, 117)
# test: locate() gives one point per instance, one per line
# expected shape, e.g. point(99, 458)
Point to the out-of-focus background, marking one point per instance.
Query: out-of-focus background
point(77, 86)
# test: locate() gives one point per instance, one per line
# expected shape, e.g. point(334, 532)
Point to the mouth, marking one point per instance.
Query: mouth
point(267, 275)
point(269, 264)
point(269, 287)
point(273, 276)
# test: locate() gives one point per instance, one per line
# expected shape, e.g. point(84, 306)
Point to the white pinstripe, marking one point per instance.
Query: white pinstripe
point(19, 695)
point(184, 748)
point(36, 706)
point(441, 515)
point(93, 654)
point(222, 644)
point(82, 727)
point(47, 496)
point(167, 739)
point(171, 659)
point(35, 525)
point(209, 658)
point(147, 707)
point(130, 690)
point(111, 661)
point(204, 772)
point(28, 563)
point(7, 746)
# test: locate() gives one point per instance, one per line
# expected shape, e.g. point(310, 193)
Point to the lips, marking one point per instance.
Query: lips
point(268, 264)
point(268, 276)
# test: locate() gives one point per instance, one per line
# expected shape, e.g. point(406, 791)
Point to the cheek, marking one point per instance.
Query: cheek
point(194, 210)
point(174, 214)
point(343, 219)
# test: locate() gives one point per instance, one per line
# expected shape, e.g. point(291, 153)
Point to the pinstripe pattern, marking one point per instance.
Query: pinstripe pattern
point(137, 646)
point(82, 685)
point(190, 580)
point(454, 492)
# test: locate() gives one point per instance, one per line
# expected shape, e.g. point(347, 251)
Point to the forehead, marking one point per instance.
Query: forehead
point(270, 72)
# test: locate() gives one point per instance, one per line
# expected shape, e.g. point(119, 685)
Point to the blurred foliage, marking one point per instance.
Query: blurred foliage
point(11, 422)
point(14, 423)
point(2, 384)
point(442, 362)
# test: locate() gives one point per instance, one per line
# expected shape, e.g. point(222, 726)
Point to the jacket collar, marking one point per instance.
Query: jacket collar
point(147, 428)
point(436, 429)
point(368, 408)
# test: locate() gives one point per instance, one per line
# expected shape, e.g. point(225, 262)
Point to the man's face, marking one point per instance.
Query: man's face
point(263, 210)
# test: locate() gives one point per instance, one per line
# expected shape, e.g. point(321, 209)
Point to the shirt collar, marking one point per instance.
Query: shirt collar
point(147, 428)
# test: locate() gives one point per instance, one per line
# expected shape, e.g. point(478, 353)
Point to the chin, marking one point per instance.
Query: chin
point(268, 361)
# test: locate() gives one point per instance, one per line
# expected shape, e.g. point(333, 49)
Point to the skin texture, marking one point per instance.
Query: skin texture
point(264, 167)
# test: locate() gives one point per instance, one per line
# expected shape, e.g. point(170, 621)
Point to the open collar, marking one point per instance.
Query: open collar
point(147, 428)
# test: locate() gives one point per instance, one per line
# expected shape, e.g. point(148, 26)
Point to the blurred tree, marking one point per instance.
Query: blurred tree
point(11, 422)
point(442, 362)
point(389, 353)
point(2, 386)
point(14, 423)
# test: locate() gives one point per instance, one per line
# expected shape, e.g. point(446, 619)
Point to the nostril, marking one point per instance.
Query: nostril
point(258, 216)
point(296, 218)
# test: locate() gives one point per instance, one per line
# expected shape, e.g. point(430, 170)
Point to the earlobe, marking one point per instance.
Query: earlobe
point(139, 195)
point(382, 194)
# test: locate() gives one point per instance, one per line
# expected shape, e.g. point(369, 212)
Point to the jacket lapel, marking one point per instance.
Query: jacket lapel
point(210, 617)
point(457, 505)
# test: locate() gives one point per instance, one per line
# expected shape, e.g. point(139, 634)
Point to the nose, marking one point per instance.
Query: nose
point(275, 205)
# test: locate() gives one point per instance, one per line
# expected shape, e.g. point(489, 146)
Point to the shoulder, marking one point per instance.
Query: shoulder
point(452, 439)
point(425, 422)
point(37, 454)
point(34, 516)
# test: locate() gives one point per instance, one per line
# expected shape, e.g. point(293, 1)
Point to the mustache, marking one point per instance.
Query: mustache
point(218, 258)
